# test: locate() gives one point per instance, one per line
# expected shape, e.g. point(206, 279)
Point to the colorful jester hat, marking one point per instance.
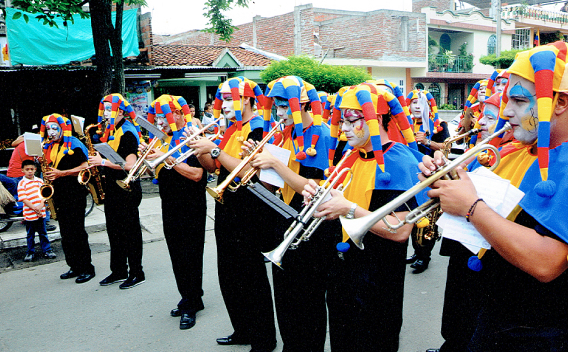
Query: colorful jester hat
point(494, 100)
point(373, 101)
point(327, 106)
point(118, 102)
point(545, 67)
point(472, 98)
point(66, 128)
point(397, 93)
point(165, 105)
point(297, 91)
point(434, 121)
point(495, 76)
point(238, 87)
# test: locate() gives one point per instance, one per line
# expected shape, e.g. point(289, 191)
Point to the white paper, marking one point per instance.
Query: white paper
point(270, 175)
point(32, 144)
point(78, 124)
point(497, 193)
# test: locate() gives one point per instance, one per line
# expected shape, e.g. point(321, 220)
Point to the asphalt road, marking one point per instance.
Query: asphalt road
point(40, 312)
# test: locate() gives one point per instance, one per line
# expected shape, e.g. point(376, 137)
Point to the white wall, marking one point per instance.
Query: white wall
point(391, 74)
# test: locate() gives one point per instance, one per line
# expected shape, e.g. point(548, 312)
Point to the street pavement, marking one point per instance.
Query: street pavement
point(40, 312)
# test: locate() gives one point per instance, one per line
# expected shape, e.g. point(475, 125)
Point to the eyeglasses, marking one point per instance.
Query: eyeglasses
point(350, 122)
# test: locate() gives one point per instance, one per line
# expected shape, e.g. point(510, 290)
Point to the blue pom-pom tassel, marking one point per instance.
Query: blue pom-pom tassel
point(474, 263)
point(111, 138)
point(155, 181)
point(96, 137)
point(384, 177)
point(545, 189)
point(237, 179)
point(343, 247)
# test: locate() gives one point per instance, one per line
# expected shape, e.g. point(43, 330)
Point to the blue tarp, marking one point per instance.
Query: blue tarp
point(33, 43)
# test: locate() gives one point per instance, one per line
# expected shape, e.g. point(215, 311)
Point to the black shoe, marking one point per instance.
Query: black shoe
point(176, 312)
point(411, 259)
point(132, 281)
point(68, 275)
point(49, 227)
point(419, 266)
point(187, 321)
point(112, 279)
point(233, 340)
point(85, 277)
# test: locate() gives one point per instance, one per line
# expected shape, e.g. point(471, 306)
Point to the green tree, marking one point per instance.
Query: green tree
point(218, 23)
point(324, 77)
point(104, 32)
point(504, 61)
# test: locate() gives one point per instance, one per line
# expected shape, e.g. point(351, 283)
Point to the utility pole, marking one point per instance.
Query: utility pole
point(497, 11)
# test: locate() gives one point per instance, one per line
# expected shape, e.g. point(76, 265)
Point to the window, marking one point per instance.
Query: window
point(491, 44)
point(434, 89)
point(521, 39)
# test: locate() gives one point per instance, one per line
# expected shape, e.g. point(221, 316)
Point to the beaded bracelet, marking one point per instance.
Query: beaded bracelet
point(472, 209)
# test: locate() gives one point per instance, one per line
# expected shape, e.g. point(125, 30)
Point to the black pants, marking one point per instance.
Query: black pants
point(123, 228)
point(242, 274)
point(70, 210)
point(300, 288)
point(184, 230)
point(422, 247)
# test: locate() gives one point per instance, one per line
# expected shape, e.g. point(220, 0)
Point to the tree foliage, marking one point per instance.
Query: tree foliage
point(503, 61)
point(218, 23)
point(324, 77)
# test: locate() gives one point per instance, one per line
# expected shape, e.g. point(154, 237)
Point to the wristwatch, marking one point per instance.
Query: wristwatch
point(215, 152)
point(427, 142)
point(351, 213)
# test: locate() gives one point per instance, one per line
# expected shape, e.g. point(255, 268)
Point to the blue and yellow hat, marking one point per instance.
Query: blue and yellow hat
point(118, 102)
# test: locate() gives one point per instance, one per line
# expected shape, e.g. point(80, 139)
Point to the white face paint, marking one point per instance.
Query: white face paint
point(355, 128)
point(227, 107)
point(108, 111)
point(162, 123)
point(53, 131)
point(481, 93)
point(487, 122)
point(522, 109)
point(283, 111)
point(500, 84)
point(416, 108)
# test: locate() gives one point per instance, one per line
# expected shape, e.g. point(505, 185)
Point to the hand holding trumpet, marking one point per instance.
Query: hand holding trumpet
point(336, 206)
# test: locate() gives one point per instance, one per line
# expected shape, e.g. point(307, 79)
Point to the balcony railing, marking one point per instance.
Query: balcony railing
point(450, 63)
point(516, 12)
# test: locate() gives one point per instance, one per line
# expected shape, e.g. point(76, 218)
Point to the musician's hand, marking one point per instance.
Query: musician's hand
point(420, 137)
point(334, 207)
point(202, 146)
point(456, 196)
point(428, 164)
point(264, 160)
point(189, 131)
point(309, 191)
point(247, 147)
point(154, 154)
point(142, 147)
point(53, 174)
point(95, 160)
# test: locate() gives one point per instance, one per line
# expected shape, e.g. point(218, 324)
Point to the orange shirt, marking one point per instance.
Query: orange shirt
point(29, 189)
point(15, 164)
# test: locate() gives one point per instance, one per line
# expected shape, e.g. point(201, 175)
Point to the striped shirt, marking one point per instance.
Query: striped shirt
point(29, 189)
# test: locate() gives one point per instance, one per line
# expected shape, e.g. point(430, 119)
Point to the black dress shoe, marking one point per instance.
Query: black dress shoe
point(233, 340)
point(419, 266)
point(112, 279)
point(411, 259)
point(85, 277)
point(68, 275)
point(187, 321)
point(175, 312)
point(133, 281)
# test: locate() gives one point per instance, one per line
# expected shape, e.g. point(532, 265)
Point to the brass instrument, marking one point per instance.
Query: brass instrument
point(218, 191)
point(305, 221)
point(138, 169)
point(162, 159)
point(447, 148)
point(357, 228)
point(91, 177)
point(46, 191)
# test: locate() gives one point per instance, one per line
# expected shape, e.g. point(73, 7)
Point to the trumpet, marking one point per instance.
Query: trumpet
point(138, 169)
point(218, 191)
point(447, 148)
point(356, 229)
point(162, 159)
point(291, 239)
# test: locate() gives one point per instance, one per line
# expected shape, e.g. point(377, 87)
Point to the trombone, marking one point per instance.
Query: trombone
point(218, 191)
point(305, 220)
point(356, 229)
point(162, 159)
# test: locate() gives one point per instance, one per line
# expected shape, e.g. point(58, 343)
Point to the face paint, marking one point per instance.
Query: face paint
point(227, 107)
point(487, 122)
point(416, 108)
point(355, 127)
point(108, 111)
point(283, 111)
point(53, 131)
point(500, 84)
point(162, 123)
point(522, 109)
point(481, 93)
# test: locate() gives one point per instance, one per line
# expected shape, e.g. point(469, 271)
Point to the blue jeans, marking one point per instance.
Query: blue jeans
point(37, 226)
point(11, 184)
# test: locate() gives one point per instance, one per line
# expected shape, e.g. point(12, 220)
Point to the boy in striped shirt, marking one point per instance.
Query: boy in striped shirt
point(34, 210)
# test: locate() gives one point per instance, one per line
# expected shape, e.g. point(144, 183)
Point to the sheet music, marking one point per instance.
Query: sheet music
point(78, 124)
point(497, 193)
point(109, 153)
point(270, 175)
point(32, 144)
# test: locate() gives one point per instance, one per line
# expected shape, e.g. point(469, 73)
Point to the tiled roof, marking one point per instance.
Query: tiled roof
point(200, 55)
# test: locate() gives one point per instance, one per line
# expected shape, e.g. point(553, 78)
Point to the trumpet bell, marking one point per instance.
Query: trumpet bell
point(124, 185)
point(216, 193)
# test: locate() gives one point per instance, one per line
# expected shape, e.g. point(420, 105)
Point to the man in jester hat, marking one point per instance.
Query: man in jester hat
point(302, 323)
point(121, 206)
point(179, 186)
point(66, 156)
point(526, 279)
point(367, 286)
point(243, 222)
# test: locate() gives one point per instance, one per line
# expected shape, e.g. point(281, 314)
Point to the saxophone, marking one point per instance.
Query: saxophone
point(91, 178)
point(46, 191)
